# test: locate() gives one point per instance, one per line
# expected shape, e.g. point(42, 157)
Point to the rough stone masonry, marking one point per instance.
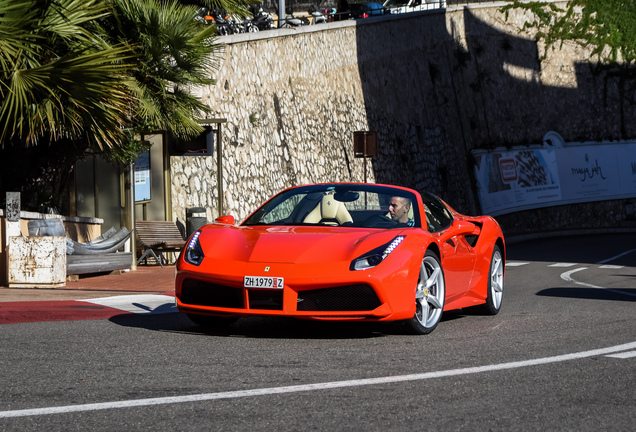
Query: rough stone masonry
point(434, 85)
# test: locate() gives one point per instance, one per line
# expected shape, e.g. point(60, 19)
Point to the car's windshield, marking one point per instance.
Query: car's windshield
point(368, 206)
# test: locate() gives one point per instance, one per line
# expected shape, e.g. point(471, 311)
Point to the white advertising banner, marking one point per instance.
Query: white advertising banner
point(513, 180)
point(510, 180)
point(589, 173)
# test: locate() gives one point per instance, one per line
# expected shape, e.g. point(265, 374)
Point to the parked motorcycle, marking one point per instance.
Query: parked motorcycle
point(222, 21)
point(238, 24)
point(249, 26)
point(318, 17)
point(262, 20)
point(202, 14)
point(291, 21)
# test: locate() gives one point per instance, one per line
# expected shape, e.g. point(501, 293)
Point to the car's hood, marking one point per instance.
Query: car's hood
point(290, 244)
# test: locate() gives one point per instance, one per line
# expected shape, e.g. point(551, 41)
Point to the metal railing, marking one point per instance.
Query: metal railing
point(458, 2)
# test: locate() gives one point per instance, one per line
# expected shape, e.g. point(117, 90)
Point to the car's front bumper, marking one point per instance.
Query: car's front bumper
point(333, 293)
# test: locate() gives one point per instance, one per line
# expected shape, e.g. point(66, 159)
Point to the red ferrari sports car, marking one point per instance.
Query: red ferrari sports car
point(343, 251)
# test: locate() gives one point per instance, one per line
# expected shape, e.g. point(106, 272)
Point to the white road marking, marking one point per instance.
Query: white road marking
point(141, 304)
point(562, 265)
point(616, 257)
point(313, 387)
point(567, 277)
point(624, 355)
point(516, 264)
point(611, 267)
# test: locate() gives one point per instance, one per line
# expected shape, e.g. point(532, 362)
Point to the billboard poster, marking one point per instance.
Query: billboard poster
point(627, 169)
point(516, 179)
point(588, 173)
point(513, 180)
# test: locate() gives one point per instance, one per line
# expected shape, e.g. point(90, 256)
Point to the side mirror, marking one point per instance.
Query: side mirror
point(466, 228)
point(226, 220)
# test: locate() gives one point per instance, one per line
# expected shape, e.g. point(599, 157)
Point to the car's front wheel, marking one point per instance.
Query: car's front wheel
point(430, 295)
point(210, 321)
point(495, 284)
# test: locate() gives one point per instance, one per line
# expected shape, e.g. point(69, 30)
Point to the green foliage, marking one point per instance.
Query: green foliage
point(607, 26)
point(58, 80)
point(94, 74)
point(129, 150)
point(173, 52)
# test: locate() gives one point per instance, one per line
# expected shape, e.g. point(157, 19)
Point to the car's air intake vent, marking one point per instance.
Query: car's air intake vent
point(472, 240)
point(266, 299)
point(343, 298)
point(200, 293)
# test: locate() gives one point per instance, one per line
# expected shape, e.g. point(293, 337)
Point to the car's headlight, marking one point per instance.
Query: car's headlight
point(376, 256)
point(193, 253)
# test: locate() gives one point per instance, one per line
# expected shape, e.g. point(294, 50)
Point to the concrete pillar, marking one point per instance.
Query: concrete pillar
point(12, 216)
point(31, 261)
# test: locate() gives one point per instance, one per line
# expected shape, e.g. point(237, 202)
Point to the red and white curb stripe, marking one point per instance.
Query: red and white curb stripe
point(139, 304)
point(96, 308)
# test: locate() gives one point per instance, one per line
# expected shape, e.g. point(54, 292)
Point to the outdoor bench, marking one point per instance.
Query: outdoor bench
point(157, 238)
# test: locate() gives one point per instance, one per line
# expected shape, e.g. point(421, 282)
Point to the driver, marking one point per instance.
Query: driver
point(399, 210)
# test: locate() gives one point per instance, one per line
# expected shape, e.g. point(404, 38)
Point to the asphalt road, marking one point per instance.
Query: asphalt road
point(561, 355)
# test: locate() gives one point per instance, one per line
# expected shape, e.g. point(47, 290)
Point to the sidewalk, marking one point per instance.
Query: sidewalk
point(147, 279)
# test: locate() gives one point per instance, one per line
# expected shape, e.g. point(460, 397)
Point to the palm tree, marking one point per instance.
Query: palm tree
point(62, 88)
point(79, 74)
point(58, 80)
point(173, 52)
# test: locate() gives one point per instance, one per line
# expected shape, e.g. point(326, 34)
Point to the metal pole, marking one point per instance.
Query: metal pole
point(131, 215)
point(364, 155)
point(95, 187)
point(281, 13)
point(219, 169)
point(218, 143)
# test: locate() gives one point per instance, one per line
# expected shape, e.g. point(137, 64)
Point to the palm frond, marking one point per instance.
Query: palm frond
point(57, 79)
point(174, 52)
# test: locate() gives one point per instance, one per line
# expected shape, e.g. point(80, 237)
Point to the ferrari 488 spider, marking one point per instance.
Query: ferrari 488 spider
point(343, 251)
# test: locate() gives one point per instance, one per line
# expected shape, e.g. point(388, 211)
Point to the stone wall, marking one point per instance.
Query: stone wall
point(434, 85)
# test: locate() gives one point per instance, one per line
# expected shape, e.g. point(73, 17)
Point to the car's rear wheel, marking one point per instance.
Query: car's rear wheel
point(430, 295)
point(495, 284)
point(210, 321)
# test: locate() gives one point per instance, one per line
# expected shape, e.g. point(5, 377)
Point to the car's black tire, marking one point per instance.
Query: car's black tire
point(495, 286)
point(210, 321)
point(430, 296)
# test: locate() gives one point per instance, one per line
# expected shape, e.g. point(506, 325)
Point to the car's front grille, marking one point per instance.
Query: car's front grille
point(265, 299)
point(358, 297)
point(200, 293)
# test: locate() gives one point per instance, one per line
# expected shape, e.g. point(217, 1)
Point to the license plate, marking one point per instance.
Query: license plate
point(263, 282)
